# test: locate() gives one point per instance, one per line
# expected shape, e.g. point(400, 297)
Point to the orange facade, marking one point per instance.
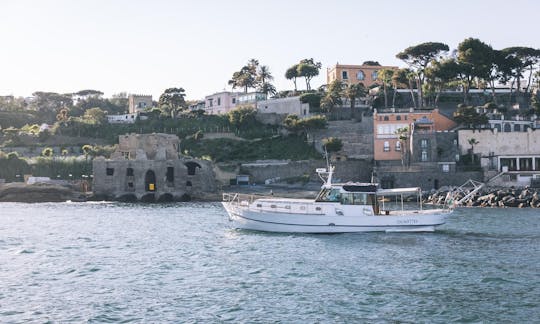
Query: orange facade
point(352, 74)
point(385, 125)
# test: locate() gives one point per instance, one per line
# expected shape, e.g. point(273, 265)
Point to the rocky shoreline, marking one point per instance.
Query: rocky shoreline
point(39, 192)
point(487, 197)
point(494, 197)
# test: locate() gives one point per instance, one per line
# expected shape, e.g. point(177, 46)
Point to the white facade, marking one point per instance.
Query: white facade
point(220, 103)
point(122, 119)
point(284, 106)
point(504, 151)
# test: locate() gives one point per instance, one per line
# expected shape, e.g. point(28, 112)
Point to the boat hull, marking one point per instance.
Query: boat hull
point(244, 218)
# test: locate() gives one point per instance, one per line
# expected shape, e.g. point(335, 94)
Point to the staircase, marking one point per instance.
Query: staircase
point(357, 137)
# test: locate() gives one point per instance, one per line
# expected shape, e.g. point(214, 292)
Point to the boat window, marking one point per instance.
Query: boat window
point(356, 198)
point(329, 195)
point(360, 198)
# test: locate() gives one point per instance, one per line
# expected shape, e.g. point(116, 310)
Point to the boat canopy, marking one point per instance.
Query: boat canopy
point(399, 191)
point(361, 187)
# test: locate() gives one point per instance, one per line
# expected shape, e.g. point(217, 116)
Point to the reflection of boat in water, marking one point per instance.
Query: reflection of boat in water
point(338, 208)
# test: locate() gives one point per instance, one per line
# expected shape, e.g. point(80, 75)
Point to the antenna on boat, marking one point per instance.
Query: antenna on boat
point(328, 172)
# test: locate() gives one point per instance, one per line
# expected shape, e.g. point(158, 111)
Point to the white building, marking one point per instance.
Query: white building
point(220, 102)
point(284, 106)
point(122, 119)
point(517, 152)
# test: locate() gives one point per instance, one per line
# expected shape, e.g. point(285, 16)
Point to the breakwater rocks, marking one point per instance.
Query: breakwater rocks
point(508, 197)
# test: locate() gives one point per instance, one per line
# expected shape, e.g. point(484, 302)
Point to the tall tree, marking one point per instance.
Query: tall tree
point(403, 135)
point(418, 58)
point(440, 74)
point(475, 59)
point(523, 59)
point(384, 76)
point(264, 74)
point(354, 91)
point(404, 78)
point(247, 76)
point(174, 98)
point(333, 95)
point(308, 68)
point(292, 74)
point(472, 142)
point(263, 81)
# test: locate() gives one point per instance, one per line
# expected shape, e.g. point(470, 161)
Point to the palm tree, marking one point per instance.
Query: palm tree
point(403, 137)
point(353, 91)
point(385, 77)
point(472, 142)
point(404, 77)
point(267, 88)
point(263, 74)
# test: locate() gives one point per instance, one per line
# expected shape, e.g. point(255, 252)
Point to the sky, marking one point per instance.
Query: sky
point(145, 47)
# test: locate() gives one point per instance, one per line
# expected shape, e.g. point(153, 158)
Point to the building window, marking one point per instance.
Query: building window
point(386, 146)
point(525, 164)
point(398, 117)
point(129, 172)
point(233, 100)
point(385, 118)
point(305, 112)
point(507, 128)
point(455, 142)
point(424, 143)
point(374, 75)
point(219, 101)
point(446, 168)
point(170, 174)
point(424, 156)
point(405, 117)
point(210, 102)
point(344, 75)
point(360, 76)
point(110, 171)
point(517, 128)
point(457, 157)
point(398, 146)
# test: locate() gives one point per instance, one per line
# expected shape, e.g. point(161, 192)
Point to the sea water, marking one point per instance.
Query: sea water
point(113, 262)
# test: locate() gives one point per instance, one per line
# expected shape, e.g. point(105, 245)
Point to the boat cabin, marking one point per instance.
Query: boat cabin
point(350, 194)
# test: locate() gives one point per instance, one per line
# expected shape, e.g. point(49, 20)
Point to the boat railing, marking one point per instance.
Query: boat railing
point(241, 199)
point(246, 201)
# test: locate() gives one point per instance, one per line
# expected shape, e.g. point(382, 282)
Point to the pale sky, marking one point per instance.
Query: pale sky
point(144, 47)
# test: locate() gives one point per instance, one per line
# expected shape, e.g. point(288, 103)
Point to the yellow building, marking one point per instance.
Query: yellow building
point(352, 74)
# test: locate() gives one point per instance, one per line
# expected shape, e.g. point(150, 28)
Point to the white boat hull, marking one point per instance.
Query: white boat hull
point(243, 217)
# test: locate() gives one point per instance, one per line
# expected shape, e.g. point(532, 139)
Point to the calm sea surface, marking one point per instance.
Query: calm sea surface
point(112, 262)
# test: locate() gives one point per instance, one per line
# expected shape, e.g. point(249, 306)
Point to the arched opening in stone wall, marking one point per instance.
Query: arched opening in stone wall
point(192, 167)
point(127, 198)
point(149, 198)
point(150, 181)
point(185, 197)
point(166, 198)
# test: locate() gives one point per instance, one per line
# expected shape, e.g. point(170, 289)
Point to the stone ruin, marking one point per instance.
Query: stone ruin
point(149, 168)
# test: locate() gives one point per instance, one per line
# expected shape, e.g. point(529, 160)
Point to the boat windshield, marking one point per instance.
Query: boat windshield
point(329, 195)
